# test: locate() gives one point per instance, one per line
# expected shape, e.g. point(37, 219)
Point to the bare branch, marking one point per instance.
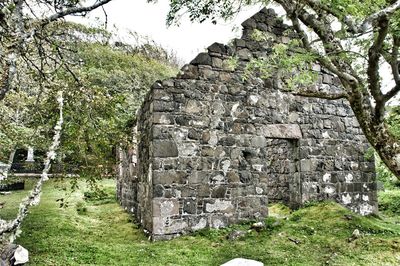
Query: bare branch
point(66, 67)
point(31, 9)
point(390, 94)
point(73, 10)
point(33, 64)
point(106, 17)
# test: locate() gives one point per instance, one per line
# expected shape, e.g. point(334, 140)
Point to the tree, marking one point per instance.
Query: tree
point(14, 131)
point(384, 175)
point(114, 79)
point(106, 87)
point(368, 39)
point(9, 230)
point(97, 96)
point(24, 38)
point(29, 52)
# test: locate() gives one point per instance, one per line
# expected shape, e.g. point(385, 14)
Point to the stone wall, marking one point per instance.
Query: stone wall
point(126, 189)
point(215, 148)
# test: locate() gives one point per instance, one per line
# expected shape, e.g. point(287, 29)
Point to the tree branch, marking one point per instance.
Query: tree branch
point(72, 10)
point(324, 61)
point(9, 70)
point(66, 67)
point(353, 84)
point(347, 20)
point(394, 63)
point(374, 54)
point(390, 94)
point(331, 44)
point(321, 94)
point(376, 17)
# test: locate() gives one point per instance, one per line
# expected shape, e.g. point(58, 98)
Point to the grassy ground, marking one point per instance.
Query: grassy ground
point(11, 202)
point(98, 232)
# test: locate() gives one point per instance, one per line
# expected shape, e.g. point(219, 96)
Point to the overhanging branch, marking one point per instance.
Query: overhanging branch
point(374, 54)
point(322, 95)
point(386, 12)
point(325, 33)
point(390, 94)
point(347, 20)
point(73, 10)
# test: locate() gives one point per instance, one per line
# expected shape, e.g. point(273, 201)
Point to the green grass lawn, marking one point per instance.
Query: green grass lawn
point(101, 233)
point(11, 202)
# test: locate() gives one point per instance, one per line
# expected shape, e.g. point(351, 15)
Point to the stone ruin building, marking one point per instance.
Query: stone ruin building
point(214, 149)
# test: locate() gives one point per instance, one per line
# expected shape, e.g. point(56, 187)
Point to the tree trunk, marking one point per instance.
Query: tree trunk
point(9, 163)
point(388, 148)
point(11, 157)
point(378, 135)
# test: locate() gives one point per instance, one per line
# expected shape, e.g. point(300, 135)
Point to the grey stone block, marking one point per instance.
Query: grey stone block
point(165, 148)
point(218, 48)
point(202, 59)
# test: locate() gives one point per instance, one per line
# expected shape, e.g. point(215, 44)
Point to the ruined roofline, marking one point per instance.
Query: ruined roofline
point(266, 20)
point(218, 56)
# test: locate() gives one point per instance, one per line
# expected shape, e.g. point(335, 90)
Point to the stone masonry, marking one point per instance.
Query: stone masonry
point(214, 148)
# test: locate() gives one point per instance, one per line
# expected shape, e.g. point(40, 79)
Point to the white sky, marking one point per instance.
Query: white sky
point(187, 40)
